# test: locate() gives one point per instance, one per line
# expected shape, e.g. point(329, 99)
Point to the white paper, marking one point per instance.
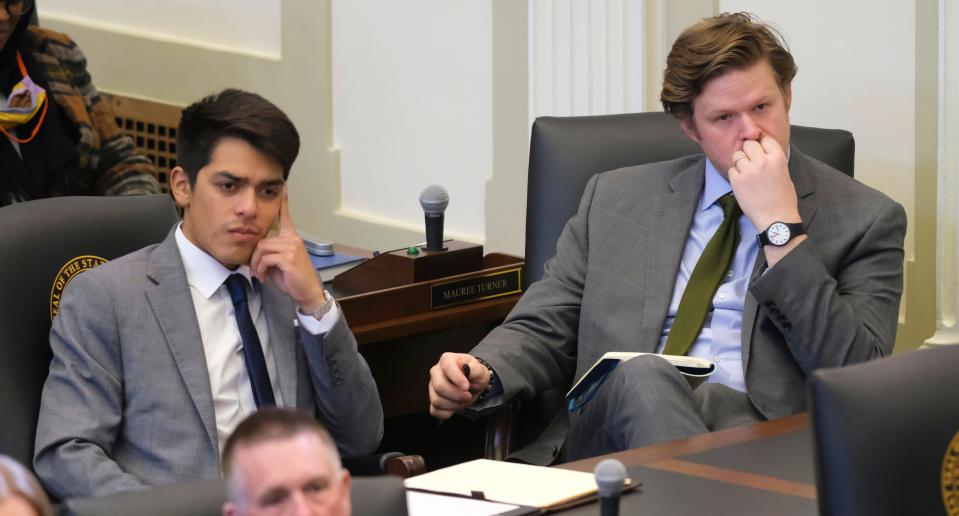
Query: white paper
point(508, 482)
point(431, 504)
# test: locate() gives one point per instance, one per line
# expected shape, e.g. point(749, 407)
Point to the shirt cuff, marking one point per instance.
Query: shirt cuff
point(320, 326)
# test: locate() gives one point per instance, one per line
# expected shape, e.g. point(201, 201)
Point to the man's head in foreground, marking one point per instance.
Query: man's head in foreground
point(20, 493)
point(728, 80)
point(234, 153)
point(283, 462)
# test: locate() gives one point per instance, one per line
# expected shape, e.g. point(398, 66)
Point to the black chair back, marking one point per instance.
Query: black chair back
point(369, 496)
point(45, 242)
point(565, 152)
point(883, 431)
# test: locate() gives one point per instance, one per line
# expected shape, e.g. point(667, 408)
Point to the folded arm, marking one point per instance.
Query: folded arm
point(844, 316)
point(345, 393)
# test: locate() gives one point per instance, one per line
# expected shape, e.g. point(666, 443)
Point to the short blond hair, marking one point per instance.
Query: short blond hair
point(272, 424)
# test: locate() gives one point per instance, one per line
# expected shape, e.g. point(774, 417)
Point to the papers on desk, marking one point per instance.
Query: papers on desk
point(509, 482)
point(430, 504)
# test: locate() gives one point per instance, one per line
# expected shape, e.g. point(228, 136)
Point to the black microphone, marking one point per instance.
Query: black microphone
point(434, 201)
point(610, 477)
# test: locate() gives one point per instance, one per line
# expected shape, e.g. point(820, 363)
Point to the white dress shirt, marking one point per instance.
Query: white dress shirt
point(222, 344)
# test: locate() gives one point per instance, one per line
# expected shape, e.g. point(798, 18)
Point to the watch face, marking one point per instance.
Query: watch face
point(778, 233)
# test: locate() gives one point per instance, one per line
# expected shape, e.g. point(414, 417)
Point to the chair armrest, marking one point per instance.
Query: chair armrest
point(390, 463)
point(404, 466)
point(499, 431)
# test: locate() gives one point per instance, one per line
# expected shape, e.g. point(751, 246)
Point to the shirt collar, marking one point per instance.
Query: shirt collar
point(716, 186)
point(203, 272)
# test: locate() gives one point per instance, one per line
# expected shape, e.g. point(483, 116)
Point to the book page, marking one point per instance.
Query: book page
point(428, 504)
point(508, 482)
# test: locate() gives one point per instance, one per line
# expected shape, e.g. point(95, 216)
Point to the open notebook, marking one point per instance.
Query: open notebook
point(695, 369)
point(510, 482)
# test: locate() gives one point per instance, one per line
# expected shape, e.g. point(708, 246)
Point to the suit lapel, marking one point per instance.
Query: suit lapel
point(805, 190)
point(279, 316)
point(173, 308)
point(671, 216)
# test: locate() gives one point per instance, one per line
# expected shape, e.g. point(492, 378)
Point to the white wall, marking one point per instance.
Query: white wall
point(412, 106)
point(857, 72)
point(249, 26)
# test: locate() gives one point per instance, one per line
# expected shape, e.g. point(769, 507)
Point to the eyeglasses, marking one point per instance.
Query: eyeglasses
point(17, 7)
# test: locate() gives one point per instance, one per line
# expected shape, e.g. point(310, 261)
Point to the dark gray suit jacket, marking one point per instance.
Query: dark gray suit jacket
point(128, 402)
point(832, 301)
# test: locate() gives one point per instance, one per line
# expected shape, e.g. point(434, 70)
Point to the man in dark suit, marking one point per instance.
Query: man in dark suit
point(158, 355)
point(800, 268)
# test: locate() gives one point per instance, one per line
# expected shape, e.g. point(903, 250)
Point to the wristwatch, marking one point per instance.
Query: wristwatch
point(492, 376)
point(780, 233)
point(323, 309)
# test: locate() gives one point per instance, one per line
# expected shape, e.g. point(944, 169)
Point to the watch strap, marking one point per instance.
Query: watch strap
point(492, 378)
point(323, 309)
point(795, 229)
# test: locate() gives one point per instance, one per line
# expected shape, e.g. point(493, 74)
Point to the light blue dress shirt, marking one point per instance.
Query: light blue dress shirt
point(721, 338)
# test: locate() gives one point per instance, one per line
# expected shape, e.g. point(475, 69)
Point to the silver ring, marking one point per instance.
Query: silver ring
point(737, 158)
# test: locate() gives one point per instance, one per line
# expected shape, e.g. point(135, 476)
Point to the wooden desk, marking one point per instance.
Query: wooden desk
point(401, 348)
point(401, 340)
point(735, 462)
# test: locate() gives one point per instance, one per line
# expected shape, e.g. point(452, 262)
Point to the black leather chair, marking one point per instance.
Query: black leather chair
point(564, 153)
point(39, 238)
point(883, 431)
point(369, 496)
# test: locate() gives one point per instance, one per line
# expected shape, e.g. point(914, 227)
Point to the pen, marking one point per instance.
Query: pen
point(466, 370)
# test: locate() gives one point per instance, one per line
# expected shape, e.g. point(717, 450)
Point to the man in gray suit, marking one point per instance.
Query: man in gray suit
point(819, 287)
point(158, 355)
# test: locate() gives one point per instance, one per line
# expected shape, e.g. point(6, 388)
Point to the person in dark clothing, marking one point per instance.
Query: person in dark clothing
point(59, 137)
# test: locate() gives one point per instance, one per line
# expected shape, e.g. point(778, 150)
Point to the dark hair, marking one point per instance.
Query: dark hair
point(273, 423)
point(715, 46)
point(238, 114)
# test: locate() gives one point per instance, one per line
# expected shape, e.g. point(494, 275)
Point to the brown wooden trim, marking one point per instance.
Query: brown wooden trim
point(492, 310)
point(732, 476)
point(698, 443)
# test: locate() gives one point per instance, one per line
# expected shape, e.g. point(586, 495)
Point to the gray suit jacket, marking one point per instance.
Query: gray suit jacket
point(832, 301)
point(128, 401)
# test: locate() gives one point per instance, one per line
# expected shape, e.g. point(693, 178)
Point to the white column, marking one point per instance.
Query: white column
point(586, 57)
point(947, 225)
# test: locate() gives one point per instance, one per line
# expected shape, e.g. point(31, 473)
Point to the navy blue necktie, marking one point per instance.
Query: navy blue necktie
point(252, 351)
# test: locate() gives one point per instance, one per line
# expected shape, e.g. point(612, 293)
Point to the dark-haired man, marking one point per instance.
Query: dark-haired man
point(661, 258)
point(158, 355)
point(283, 462)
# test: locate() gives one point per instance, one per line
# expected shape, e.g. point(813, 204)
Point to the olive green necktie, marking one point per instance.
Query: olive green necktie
point(704, 280)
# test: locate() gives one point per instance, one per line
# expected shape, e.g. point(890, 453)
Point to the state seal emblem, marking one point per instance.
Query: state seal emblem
point(950, 477)
point(67, 273)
